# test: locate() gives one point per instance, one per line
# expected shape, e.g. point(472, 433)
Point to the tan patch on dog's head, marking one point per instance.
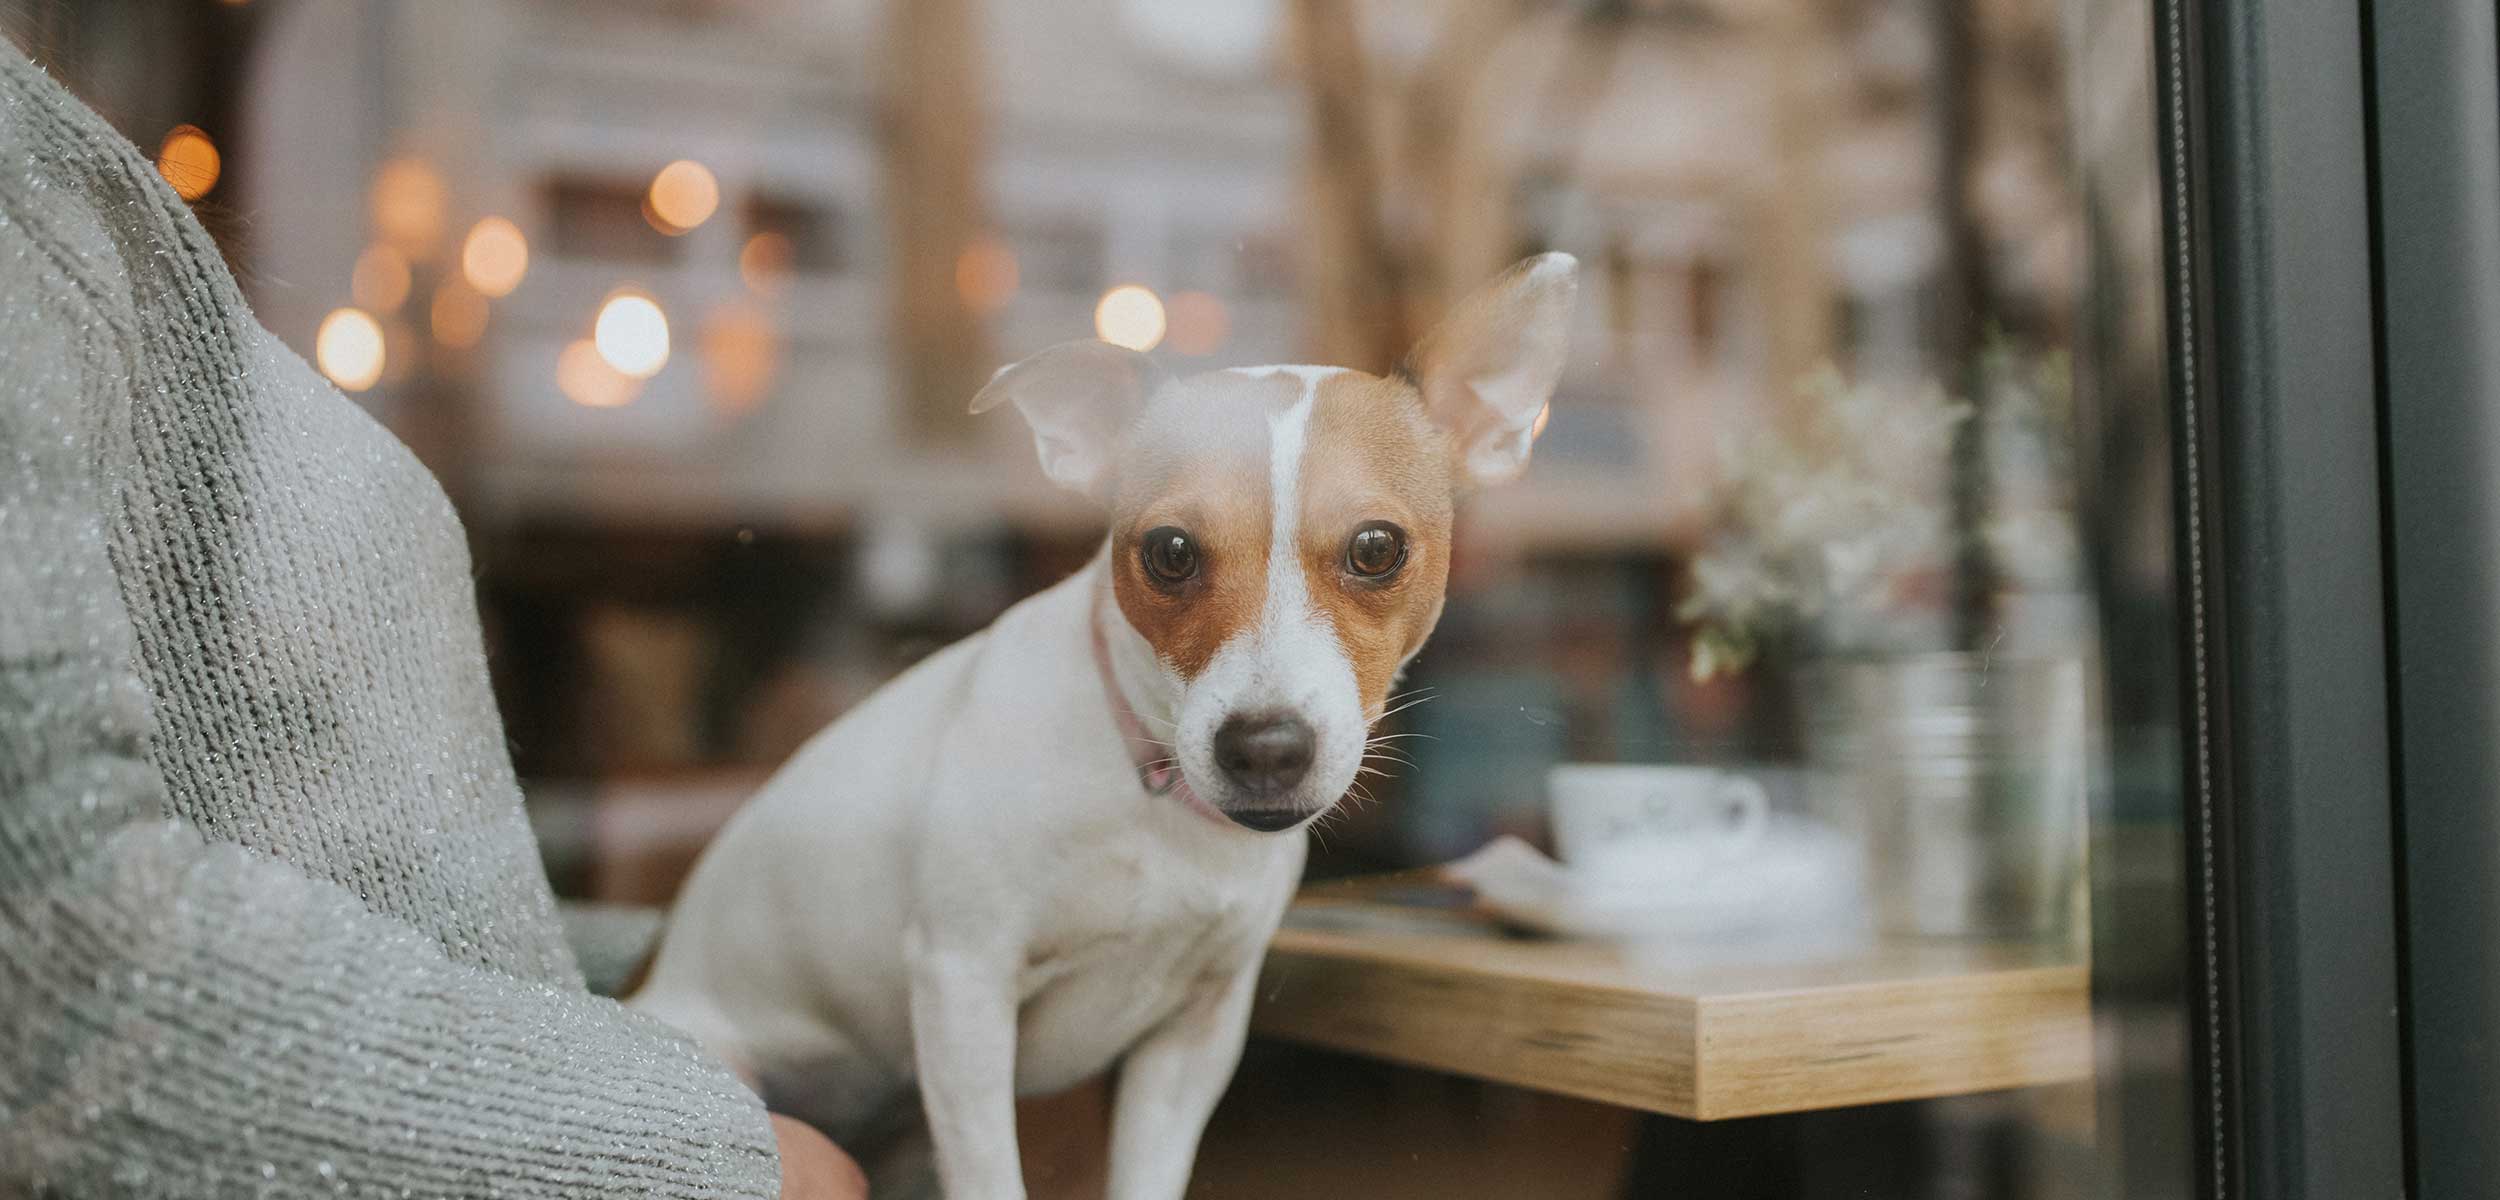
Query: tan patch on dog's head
point(1372, 456)
point(1197, 460)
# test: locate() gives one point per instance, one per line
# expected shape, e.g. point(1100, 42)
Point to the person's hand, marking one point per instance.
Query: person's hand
point(812, 1167)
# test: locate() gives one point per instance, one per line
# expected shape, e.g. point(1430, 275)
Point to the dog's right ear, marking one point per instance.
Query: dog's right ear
point(1078, 396)
point(1490, 367)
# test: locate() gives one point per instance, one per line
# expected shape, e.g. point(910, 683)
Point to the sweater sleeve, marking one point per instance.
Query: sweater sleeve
point(186, 1017)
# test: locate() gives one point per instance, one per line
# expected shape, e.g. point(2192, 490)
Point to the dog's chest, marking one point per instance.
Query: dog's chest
point(1133, 948)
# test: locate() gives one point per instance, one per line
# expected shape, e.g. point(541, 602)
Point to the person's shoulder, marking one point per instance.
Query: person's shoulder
point(66, 179)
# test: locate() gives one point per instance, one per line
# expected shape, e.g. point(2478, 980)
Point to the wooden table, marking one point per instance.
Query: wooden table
point(1398, 972)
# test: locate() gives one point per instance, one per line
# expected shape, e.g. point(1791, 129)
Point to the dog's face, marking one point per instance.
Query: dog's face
point(1280, 535)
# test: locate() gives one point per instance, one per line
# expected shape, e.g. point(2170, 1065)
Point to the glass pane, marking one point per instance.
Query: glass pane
point(1786, 801)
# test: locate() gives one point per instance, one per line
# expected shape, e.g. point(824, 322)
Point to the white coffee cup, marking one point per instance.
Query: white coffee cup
point(1617, 820)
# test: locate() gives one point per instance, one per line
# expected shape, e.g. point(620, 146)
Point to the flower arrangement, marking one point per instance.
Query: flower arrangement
point(1836, 527)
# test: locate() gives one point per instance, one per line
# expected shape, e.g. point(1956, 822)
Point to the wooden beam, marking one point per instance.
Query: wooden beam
point(933, 146)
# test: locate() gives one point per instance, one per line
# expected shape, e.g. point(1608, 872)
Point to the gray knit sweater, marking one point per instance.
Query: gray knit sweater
point(271, 921)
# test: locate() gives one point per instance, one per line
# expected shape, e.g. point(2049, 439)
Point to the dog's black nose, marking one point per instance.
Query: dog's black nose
point(1264, 754)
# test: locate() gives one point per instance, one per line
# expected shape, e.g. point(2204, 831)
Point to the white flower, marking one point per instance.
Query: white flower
point(1827, 518)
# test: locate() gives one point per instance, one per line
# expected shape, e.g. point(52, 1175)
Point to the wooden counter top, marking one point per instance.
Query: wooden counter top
point(1398, 972)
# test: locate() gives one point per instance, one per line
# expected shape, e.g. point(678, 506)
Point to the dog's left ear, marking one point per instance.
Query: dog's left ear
point(1488, 369)
point(1078, 396)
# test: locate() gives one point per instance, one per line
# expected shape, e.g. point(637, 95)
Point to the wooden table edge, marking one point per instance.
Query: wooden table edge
point(2019, 1025)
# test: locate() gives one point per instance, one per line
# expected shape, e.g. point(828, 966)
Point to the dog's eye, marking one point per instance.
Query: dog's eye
point(1376, 550)
point(1170, 555)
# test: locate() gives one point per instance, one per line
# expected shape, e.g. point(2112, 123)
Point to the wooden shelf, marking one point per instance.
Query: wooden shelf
point(1398, 974)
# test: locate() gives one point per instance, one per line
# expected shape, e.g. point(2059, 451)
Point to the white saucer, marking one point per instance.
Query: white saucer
point(1799, 879)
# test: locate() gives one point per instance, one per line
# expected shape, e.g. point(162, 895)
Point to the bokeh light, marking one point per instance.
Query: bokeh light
point(1130, 315)
point(189, 161)
point(764, 262)
point(632, 334)
point(380, 283)
point(408, 202)
point(348, 348)
point(986, 275)
point(585, 378)
point(494, 256)
point(1199, 323)
point(683, 195)
point(741, 354)
point(458, 315)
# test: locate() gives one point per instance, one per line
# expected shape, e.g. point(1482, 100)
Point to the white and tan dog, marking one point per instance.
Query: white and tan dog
point(1063, 843)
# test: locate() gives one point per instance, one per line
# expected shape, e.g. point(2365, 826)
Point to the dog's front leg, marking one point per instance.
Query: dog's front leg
point(963, 1034)
point(1169, 1084)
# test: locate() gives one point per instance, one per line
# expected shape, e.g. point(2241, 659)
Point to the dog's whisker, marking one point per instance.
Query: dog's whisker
point(1393, 711)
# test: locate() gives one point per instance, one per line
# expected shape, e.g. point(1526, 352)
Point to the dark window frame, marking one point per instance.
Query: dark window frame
point(2331, 362)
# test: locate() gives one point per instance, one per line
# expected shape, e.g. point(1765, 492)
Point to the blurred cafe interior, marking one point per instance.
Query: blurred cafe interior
point(1855, 491)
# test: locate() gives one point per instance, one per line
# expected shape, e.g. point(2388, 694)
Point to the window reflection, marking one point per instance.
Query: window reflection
point(1843, 548)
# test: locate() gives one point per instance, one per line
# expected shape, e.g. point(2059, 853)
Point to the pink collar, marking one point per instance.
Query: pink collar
point(1157, 771)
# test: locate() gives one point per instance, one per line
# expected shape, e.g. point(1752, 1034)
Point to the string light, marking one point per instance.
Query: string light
point(189, 161)
point(585, 378)
point(632, 335)
point(683, 195)
point(408, 201)
point(348, 348)
point(1130, 315)
point(494, 256)
point(764, 263)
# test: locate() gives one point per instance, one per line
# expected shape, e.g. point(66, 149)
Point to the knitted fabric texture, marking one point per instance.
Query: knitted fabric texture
point(271, 919)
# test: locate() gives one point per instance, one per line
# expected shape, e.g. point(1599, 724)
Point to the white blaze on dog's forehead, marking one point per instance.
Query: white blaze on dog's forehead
point(1288, 428)
point(1288, 596)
